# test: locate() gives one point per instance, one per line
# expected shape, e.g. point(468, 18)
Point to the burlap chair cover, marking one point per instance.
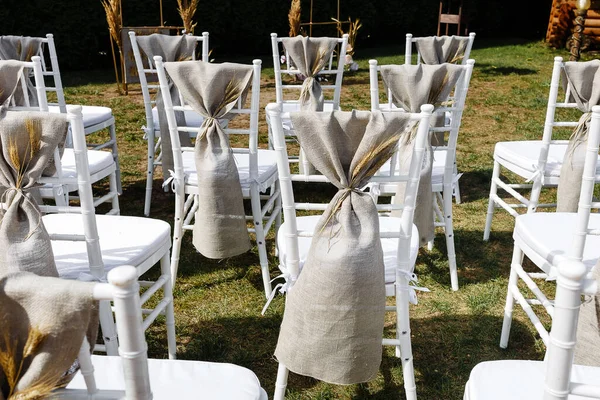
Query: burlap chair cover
point(28, 141)
point(584, 78)
point(333, 322)
point(212, 90)
point(412, 86)
point(310, 56)
point(587, 347)
point(170, 48)
point(10, 71)
point(42, 324)
point(442, 49)
point(22, 48)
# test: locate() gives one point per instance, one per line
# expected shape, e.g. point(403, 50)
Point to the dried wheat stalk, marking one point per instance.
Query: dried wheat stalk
point(115, 23)
point(294, 18)
point(187, 10)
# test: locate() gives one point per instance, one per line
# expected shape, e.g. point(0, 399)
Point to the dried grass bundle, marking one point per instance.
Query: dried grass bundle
point(21, 158)
point(294, 18)
point(233, 91)
point(112, 8)
point(12, 362)
point(187, 10)
point(353, 28)
point(28, 55)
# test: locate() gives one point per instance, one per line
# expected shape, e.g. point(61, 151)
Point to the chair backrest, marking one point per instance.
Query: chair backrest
point(40, 89)
point(147, 73)
point(250, 128)
point(408, 51)
point(290, 206)
point(281, 58)
point(454, 106)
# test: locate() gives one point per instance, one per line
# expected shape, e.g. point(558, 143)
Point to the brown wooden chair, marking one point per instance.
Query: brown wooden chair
point(449, 18)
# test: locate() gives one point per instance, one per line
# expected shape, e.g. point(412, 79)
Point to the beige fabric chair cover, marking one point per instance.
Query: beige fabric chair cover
point(212, 90)
point(9, 79)
point(587, 348)
point(584, 78)
point(333, 322)
point(170, 48)
point(42, 323)
point(411, 87)
point(27, 141)
point(22, 48)
point(442, 49)
point(310, 56)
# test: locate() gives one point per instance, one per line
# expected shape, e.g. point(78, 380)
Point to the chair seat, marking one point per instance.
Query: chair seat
point(98, 161)
point(390, 245)
point(192, 118)
point(92, 115)
point(123, 240)
point(180, 379)
point(519, 380)
point(437, 172)
point(267, 168)
point(521, 157)
point(546, 239)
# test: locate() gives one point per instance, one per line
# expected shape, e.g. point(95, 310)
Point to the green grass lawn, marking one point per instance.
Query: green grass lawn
point(218, 302)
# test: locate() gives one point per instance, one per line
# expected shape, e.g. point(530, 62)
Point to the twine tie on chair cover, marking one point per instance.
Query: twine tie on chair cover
point(442, 49)
point(28, 141)
point(170, 48)
point(22, 48)
point(584, 79)
point(310, 56)
point(412, 86)
point(212, 90)
point(43, 322)
point(332, 327)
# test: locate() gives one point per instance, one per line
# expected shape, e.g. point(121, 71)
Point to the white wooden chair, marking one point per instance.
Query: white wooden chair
point(444, 178)
point(147, 73)
point(257, 171)
point(537, 162)
point(410, 40)
point(337, 70)
point(86, 245)
point(548, 239)
point(555, 378)
point(132, 375)
point(101, 163)
point(399, 239)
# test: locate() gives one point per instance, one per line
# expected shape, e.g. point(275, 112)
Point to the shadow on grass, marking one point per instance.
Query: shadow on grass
point(492, 70)
point(475, 185)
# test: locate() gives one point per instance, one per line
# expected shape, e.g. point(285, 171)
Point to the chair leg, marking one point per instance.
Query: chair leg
point(281, 383)
point(403, 335)
point(449, 232)
point(165, 267)
point(177, 234)
point(109, 331)
point(115, 154)
point(517, 259)
point(491, 202)
point(260, 238)
point(534, 198)
point(149, 176)
point(456, 187)
point(114, 187)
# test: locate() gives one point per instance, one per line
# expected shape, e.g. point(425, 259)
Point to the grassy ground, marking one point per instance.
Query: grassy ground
point(218, 303)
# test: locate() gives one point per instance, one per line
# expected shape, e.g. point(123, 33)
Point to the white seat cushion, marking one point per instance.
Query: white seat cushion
point(192, 118)
point(267, 168)
point(549, 235)
point(123, 240)
point(521, 157)
point(390, 245)
point(519, 380)
point(98, 160)
point(92, 115)
point(179, 379)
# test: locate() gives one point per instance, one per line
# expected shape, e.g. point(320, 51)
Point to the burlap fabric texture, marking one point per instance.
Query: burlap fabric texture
point(212, 90)
point(333, 322)
point(442, 49)
point(584, 80)
point(411, 87)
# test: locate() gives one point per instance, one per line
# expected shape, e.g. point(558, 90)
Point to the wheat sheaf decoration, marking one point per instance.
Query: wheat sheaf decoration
point(21, 158)
point(187, 10)
point(14, 360)
point(112, 8)
point(294, 18)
